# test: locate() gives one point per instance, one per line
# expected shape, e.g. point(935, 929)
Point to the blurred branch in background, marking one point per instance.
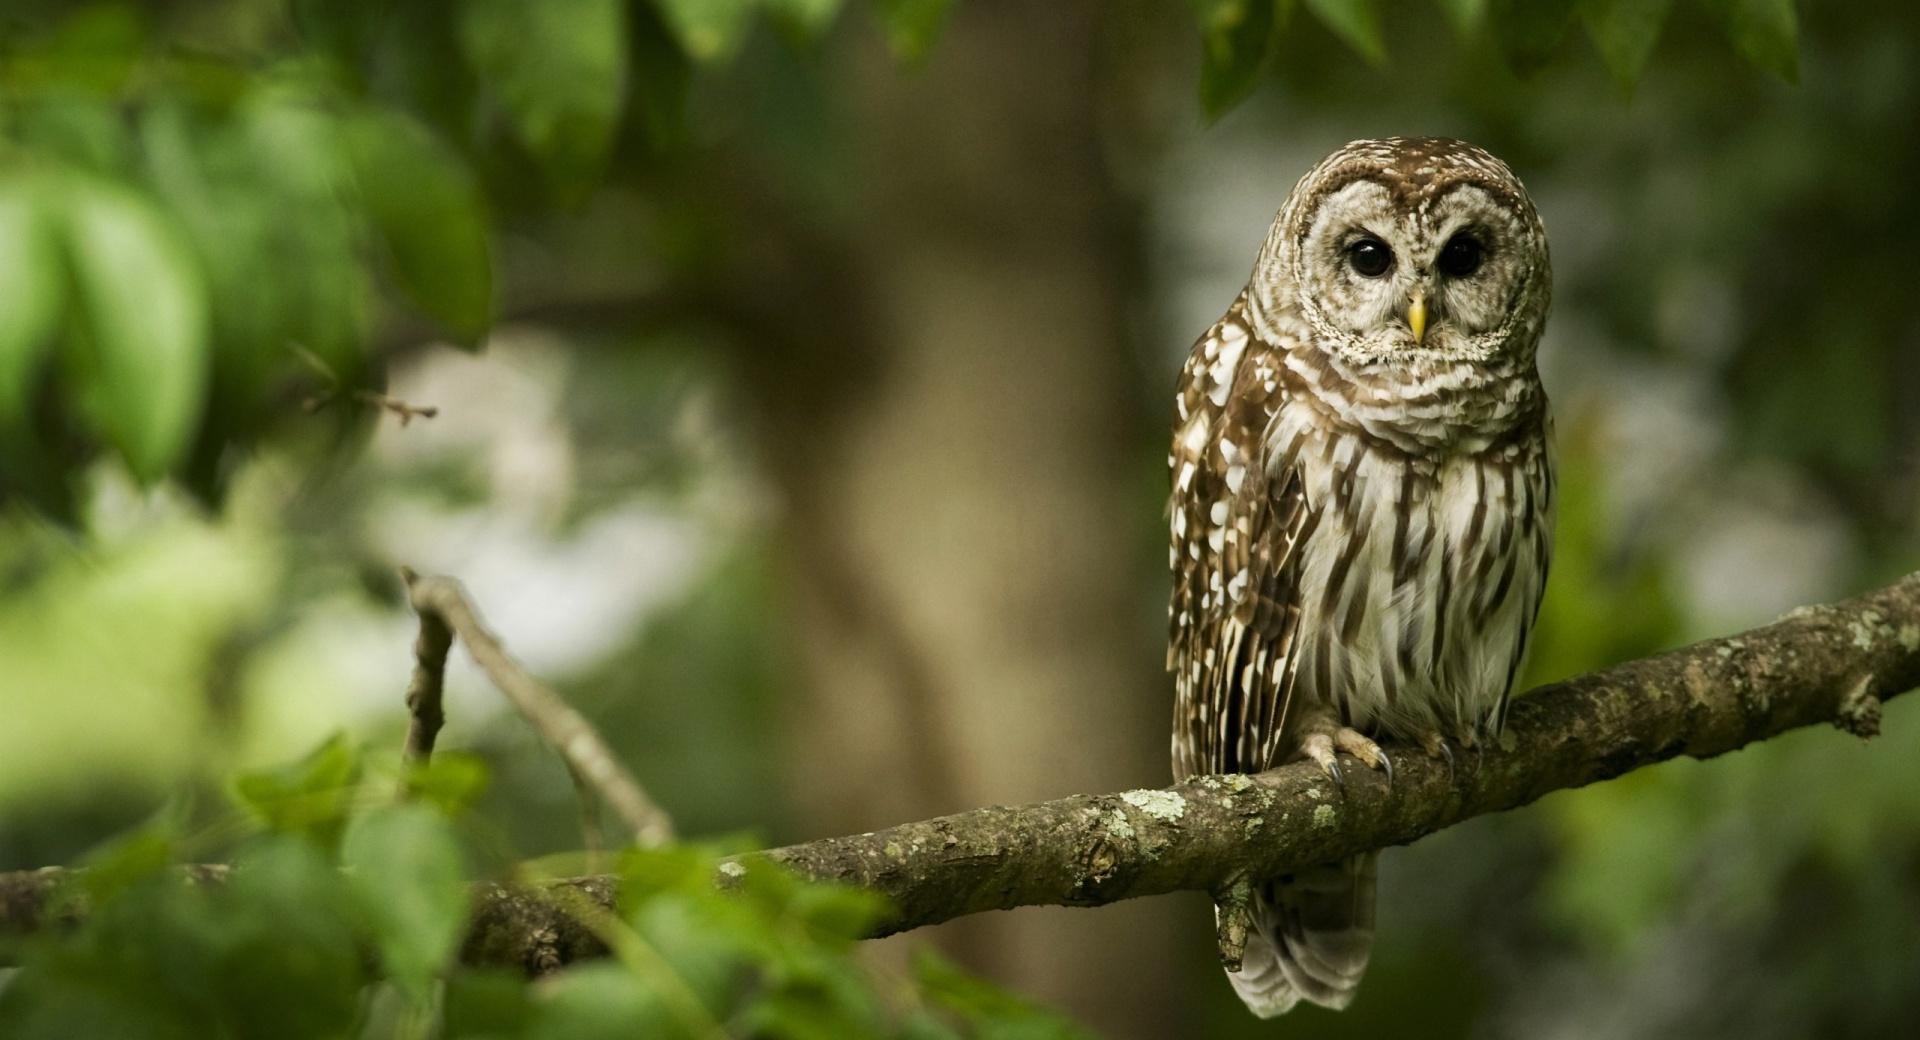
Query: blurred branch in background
point(1831, 664)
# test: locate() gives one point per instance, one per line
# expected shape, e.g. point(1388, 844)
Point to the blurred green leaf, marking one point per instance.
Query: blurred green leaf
point(95, 49)
point(408, 873)
point(558, 69)
point(490, 1003)
point(1238, 38)
point(709, 30)
point(1625, 32)
point(234, 177)
point(1530, 31)
point(279, 952)
point(451, 781)
point(139, 350)
point(603, 1001)
point(32, 284)
point(1357, 22)
point(426, 206)
point(311, 797)
point(979, 1003)
point(1464, 15)
point(913, 25)
point(128, 860)
point(811, 17)
point(1765, 32)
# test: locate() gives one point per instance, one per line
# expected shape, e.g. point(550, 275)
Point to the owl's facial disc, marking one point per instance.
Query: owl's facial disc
point(1397, 279)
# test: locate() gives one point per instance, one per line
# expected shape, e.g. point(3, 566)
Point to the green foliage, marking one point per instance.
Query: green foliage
point(912, 26)
point(1530, 31)
point(1355, 21)
point(137, 346)
point(425, 204)
point(1240, 37)
point(1005, 1016)
point(246, 199)
point(405, 869)
point(1765, 32)
point(343, 915)
point(312, 797)
point(1624, 32)
point(558, 71)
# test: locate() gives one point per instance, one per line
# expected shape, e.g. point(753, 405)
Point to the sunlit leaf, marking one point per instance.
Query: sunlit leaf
point(408, 875)
point(311, 797)
point(139, 349)
point(1464, 15)
point(559, 71)
point(1357, 22)
point(709, 30)
point(1765, 32)
point(32, 290)
point(810, 16)
point(1624, 32)
point(426, 205)
point(1530, 31)
point(450, 781)
point(913, 25)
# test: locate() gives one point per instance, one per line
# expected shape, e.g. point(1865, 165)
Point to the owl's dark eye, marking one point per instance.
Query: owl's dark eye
point(1370, 257)
point(1461, 256)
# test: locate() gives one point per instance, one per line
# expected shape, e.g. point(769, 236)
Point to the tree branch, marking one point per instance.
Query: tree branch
point(1829, 664)
point(445, 611)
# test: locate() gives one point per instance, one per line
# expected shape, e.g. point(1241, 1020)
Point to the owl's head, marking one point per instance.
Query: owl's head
point(1411, 249)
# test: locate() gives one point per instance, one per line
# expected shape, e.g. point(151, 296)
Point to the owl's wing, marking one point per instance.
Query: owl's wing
point(1236, 530)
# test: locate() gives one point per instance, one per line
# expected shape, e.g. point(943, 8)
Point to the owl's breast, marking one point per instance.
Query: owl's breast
point(1420, 575)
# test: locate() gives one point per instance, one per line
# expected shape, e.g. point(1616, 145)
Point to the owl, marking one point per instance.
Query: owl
point(1362, 507)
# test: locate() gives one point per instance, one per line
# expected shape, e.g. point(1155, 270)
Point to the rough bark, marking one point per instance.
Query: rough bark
point(1830, 664)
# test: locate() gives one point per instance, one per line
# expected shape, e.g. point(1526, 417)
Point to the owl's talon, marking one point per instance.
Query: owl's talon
point(1319, 747)
point(1324, 745)
point(1436, 746)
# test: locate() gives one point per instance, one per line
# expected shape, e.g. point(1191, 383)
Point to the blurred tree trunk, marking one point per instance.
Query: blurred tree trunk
point(968, 484)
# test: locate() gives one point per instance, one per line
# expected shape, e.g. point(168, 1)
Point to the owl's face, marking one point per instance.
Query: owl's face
point(1414, 250)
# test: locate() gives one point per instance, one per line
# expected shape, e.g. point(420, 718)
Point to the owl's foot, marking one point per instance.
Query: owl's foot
point(1323, 743)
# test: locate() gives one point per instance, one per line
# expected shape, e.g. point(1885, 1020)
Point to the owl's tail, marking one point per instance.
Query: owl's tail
point(1310, 938)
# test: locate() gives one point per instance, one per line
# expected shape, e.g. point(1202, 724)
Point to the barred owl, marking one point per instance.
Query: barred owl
point(1362, 506)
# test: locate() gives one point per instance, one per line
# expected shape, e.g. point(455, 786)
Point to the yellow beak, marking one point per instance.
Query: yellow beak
point(1417, 317)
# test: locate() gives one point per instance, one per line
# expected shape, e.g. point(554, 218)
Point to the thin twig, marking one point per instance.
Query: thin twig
point(590, 839)
point(564, 729)
point(406, 412)
point(425, 689)
point(336, 389)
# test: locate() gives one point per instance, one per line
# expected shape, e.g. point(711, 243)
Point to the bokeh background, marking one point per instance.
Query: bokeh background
point(802, 405)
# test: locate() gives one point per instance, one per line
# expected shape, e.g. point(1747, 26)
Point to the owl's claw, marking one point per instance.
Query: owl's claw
point(1436, 746)
point(1320, 748)
point(1324, 748)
